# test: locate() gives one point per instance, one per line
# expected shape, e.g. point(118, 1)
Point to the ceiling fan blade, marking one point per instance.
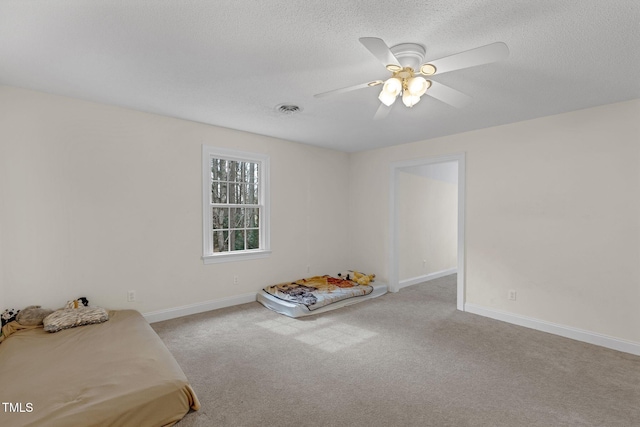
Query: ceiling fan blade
point(481, 55)
point(448, 95)
point(382, 112)
point(349, 89)
point(380, 50)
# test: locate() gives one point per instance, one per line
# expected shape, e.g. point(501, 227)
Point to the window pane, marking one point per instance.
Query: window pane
point(236, 193)
point(237, 217)
point(253, 239)
point(243, 172)
point(220, 218)
point(253, 217)
point(219, 192)
point(235, 171)
point(237, 240)
point(250, 173)
point(218, 170)
point(220, 241)
point(251, 194)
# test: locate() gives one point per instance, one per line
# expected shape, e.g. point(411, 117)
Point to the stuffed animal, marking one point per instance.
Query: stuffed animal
point(359, 278)
point(77, 303)
point(9, 315)
point(32, 315)
point(346, 275)
point(363, 279)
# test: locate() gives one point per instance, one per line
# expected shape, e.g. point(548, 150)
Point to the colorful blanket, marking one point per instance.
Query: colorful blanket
point(318, 291)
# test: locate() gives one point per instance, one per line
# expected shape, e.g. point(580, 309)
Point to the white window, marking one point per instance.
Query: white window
point(235, 205)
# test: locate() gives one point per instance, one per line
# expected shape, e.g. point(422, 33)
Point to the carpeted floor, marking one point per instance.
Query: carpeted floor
point(404, 359)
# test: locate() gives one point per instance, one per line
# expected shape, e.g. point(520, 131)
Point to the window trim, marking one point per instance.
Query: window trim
point(208, 256)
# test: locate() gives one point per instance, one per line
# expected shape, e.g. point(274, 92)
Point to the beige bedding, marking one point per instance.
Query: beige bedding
point(117, 373)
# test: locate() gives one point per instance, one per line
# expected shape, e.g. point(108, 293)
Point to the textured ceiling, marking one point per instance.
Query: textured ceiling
point(229, 63)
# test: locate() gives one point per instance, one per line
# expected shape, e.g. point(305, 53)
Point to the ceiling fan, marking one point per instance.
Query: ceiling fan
point(405, 62)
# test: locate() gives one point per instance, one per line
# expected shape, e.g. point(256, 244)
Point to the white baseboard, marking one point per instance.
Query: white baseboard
point(426, 278)
point(557, 329)
point(200, 307)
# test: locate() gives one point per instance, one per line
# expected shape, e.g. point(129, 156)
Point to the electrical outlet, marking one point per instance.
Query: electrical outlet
point(235, 280)
point(512, 295)
point(131, 296)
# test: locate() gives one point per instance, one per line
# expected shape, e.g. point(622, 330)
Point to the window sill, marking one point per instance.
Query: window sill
point(235, 256)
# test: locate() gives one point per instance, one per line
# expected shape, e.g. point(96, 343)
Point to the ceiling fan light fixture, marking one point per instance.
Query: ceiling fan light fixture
point(391, 89)
point(409, 100)
point(387, 98)
point(393, 86)
point(428, 69)
point(417, 86)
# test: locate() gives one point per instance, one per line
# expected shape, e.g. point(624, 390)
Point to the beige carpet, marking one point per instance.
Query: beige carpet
point(404, 359)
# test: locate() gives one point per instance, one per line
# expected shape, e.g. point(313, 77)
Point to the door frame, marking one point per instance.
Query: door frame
point(394, 282)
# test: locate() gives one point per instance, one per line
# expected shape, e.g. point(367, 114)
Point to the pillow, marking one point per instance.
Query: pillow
point(32, 315)
point(71, 317)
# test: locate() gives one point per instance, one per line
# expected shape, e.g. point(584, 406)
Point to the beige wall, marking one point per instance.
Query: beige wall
point(427, 225)
point(98, 200)
point(552, 211)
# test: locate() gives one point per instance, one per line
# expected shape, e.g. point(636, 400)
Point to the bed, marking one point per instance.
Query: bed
point(116, 373)
point(317, 294)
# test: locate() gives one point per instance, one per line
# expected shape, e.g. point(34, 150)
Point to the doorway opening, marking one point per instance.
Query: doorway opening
point(410, 171)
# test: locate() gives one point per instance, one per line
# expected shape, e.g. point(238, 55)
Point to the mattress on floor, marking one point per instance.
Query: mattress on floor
point(116, 373)
point(330, 299)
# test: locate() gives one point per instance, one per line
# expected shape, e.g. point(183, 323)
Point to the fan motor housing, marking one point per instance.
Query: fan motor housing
point(409, 54)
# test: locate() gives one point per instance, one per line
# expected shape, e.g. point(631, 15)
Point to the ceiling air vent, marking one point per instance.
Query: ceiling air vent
point(288, 109)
